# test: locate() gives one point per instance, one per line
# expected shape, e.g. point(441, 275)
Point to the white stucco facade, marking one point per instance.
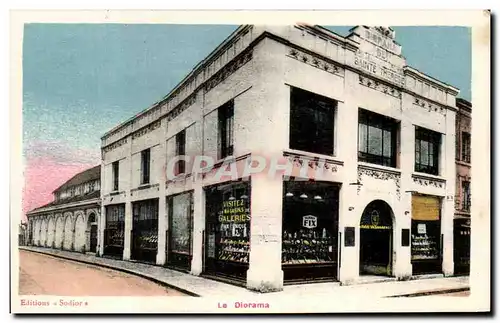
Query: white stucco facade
point(256, 67)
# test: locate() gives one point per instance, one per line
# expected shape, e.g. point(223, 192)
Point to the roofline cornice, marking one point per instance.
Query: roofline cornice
point(64, 206)
point(197, 69)
point(408, 70)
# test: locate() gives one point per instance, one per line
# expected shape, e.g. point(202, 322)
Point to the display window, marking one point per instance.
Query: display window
point(179, 245)
point(310, 230)
point(426, 234)
point(145, 230)
point(461, 246)
point(114, 232)
point(227, 235)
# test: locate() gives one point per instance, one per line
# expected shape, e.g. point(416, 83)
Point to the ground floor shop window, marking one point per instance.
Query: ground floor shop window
point(426, 234)
point(227, 233)
point(114, 231)
point(180, 215)
point(310, 230)
point(461, 246)
point(145, 230)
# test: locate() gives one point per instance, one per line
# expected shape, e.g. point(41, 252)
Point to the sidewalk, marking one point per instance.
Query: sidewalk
point(198, 286)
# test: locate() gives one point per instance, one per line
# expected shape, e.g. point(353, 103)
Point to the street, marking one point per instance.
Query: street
point(45, 275)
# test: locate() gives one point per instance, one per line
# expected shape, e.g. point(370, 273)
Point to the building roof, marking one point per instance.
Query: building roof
point(83, 177)
point(463, 103)
point(78, 198)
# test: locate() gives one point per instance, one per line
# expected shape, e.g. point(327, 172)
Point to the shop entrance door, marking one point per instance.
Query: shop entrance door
point(376, 240)
point(93, 238)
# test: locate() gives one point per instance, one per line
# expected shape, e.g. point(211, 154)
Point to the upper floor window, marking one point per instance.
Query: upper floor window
point(180, 150)
point(311, 122)
point(427, 145)
point(145, 165)
point(116, 174)
point(466, 147)
point(377, 139)
point(226, 129)
point(466, 196)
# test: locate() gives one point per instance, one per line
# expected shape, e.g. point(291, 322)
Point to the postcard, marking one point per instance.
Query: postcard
point(250, 162)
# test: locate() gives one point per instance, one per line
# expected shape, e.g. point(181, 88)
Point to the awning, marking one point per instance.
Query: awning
point(425, 208)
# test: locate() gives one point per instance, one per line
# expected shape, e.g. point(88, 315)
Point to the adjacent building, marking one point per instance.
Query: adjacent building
point(69, 222)
point(463, 187)
point(368, 144)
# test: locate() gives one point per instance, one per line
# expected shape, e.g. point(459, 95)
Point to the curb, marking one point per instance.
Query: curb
point(434, 292)
point(124, 270)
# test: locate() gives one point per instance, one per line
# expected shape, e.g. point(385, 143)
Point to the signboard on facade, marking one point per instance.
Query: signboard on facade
point(235, 211)
point(309, 221)
point(382, 37)
point(378, 67)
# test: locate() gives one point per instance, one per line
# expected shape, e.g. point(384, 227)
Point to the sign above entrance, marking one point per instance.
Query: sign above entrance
point(383, 37)
point(310, 221)
point(376, 66)
point(376, 216)
point(378, 53)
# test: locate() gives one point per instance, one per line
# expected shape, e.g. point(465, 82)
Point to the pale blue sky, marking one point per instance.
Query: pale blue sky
point(80, 80)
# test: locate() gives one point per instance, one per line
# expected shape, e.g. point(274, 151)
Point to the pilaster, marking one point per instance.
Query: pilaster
point(265, 273)
point(198, 229)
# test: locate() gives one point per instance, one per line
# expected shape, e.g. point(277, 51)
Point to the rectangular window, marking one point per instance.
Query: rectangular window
point(427, 145)
point(226, 129)
point(180, 150)
point(116, 174)
point(145, 165)
point(311, 122)
point(466, 196)
point(466, 147)
point(377, 137)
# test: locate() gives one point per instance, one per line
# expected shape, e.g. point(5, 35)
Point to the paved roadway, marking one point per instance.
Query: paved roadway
point(45, 275)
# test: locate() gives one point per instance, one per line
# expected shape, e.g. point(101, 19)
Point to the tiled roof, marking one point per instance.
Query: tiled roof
point(83, 177)
point(78, 198)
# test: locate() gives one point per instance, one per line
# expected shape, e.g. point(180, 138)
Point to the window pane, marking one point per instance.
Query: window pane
point(374, 140)
point(424, 155)
point(311, 122)
point(387, 144)
point(431, 154)
point(362, 128)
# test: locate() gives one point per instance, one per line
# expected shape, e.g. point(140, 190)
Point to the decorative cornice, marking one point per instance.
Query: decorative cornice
point(428, 181)
point(315, 61)
point(314, 163)
point(115, 145)
point(189, 101)
point(147, 129)
point(227, 70)
point(380, 174)
point(382, 87)
point(429, 106)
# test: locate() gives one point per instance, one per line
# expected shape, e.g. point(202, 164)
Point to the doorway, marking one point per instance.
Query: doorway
point(92, 229)
point(93, 238)
point(376, 239)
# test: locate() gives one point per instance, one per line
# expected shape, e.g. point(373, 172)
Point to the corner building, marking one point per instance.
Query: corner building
point(377, 137)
